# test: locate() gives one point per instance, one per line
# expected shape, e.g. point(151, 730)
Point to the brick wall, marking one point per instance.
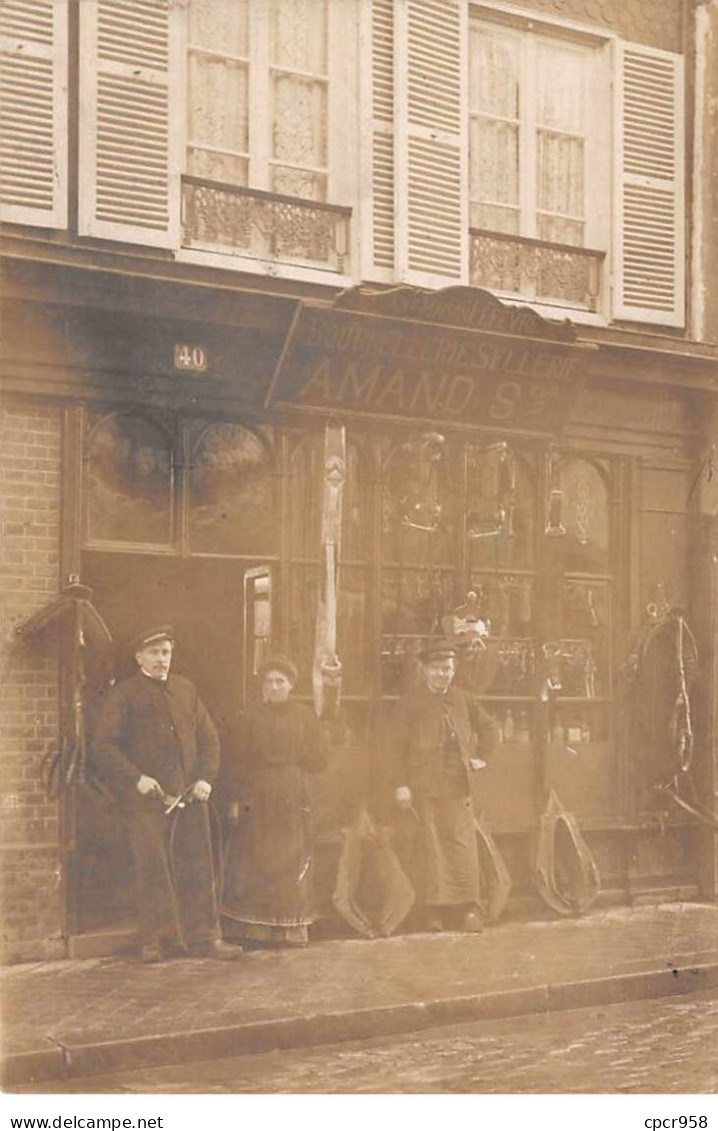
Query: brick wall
point(30, 441)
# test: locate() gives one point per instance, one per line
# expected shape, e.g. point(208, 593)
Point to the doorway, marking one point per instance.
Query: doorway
point(220, 609)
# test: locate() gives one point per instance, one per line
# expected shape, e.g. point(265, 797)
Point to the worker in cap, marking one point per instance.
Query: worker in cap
point(156, 742)
point(440, 738)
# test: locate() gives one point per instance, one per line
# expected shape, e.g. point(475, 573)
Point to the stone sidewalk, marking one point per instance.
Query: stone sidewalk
point(79, 1018)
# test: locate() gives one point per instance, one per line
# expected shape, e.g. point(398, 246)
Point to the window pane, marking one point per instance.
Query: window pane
point(585, 515)
point(494, 162)
point(217, 103)
point(232, 507)
point(561, 186)
point(220, 167)
point(499, 511)
point(297, 182)
point(130, 481)
point(495, 219)
point(219, 25)
point(299, 35)
point(413, 601)
point(494, 73)
point(557, 230)
point(586, 628)
point(561, 87)
point(300, 119)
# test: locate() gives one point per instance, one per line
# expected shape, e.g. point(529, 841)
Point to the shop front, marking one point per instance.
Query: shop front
point(492, 479)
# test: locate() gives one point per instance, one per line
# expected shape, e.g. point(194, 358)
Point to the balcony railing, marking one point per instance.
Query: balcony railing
point(536, 270)
point(264, 225)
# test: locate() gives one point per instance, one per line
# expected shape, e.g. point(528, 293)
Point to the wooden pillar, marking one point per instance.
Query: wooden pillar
point(704, 618)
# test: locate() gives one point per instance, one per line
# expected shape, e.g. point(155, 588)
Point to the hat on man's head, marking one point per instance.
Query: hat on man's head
point(279, 663)
point(437, 650)
point(152, 636)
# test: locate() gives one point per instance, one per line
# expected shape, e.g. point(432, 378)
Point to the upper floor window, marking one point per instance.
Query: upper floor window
point(550, 167)
point(539, 156)
point(272, 56)
point(262, 173)
point(535, 114)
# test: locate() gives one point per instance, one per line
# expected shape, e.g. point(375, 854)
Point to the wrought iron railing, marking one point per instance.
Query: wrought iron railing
point(264, 225)
point(536, 270)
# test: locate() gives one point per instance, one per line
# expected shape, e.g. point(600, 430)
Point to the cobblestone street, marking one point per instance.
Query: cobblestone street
point(661, 1046)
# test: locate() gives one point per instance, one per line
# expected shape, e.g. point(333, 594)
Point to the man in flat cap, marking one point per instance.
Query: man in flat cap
point(155, 741)
point(442, 735)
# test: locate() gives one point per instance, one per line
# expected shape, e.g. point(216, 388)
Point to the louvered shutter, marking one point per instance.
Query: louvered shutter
point(431, 157)
point(381, 234)
point(649, 284)
point(130, 124)
point(33, 112)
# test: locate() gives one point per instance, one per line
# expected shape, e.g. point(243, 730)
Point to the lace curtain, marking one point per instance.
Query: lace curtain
point(527, 97)
point(284, 146)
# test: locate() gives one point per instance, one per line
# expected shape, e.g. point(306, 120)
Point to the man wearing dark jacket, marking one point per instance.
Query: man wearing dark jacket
point(442, 735)
point(155, 741)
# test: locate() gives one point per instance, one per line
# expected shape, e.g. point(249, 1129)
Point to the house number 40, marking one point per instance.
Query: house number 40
point(193, 358)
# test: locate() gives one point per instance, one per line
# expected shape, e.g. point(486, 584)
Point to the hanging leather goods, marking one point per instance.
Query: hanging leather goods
point(664, 663)
point(495, 880)
point(326, 675)
point(372, 892)
point(67, 765)
point(566, 874)
point(554, 510)
point(421, 507)
point(491, 513)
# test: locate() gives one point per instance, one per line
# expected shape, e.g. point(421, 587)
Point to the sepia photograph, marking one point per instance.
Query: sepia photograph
point(358, 555)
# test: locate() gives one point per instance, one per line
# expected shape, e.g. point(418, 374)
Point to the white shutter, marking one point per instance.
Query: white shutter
point(130, 120)
point(33, 112)
point(378, 141)
point(431, 155)
point(649, 284)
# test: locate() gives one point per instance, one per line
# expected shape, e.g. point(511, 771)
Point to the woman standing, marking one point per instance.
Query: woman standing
point(267, 891)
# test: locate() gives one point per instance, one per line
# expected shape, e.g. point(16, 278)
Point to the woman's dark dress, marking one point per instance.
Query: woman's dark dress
point(267, 890)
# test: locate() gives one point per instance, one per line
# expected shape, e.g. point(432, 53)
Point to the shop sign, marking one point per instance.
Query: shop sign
point(341, 359)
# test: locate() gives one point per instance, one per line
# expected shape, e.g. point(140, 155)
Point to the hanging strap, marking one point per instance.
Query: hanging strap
point(326, 676)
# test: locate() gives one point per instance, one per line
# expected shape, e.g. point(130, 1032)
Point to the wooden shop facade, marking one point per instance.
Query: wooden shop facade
point(545, 482)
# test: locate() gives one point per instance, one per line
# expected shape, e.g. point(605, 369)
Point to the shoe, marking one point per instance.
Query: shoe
point(215, 948)
point(472, 923)
point(151, 953)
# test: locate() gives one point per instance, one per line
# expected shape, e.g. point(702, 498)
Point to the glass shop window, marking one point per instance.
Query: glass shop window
point(584, 542)
point(233, 489)
point(419, 522)
point(129, 482)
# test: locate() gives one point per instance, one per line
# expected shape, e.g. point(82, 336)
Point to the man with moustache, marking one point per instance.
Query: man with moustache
point(156, 741)
point(441, 736)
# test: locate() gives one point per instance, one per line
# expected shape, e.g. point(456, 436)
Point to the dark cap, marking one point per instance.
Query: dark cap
point(151, 636)
point(437, 650)
point(281, 664)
